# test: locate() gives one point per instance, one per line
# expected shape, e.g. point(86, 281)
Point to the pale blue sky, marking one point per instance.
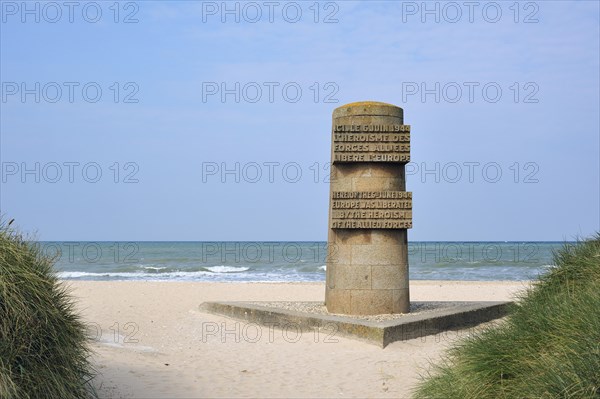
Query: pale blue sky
point(375, 51)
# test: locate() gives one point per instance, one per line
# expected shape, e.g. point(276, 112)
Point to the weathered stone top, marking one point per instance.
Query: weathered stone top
point(370, 108)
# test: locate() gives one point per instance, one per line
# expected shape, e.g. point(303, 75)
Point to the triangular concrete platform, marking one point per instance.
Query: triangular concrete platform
point(439, 317)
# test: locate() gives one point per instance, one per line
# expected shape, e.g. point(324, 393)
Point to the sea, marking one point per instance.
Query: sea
point(286, 261)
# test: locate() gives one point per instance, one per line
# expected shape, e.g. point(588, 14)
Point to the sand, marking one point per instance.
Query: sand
point(151, 341)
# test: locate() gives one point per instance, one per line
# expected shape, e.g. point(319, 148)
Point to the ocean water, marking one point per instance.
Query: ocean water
point(287, 261)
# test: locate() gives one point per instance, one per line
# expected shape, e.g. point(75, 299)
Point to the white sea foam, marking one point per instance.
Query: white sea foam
point(227, 269)
point(78, 274)
point(194, 275)
point(324, 267)
point(133, 275)
point(212, 270)
point(153, 268)
point(188, 276)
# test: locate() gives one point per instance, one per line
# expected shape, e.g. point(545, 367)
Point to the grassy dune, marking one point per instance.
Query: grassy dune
point(549, 346)
point(43, 346)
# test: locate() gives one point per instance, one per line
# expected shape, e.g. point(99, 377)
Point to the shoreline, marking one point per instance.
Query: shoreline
point(412, 282)
point(287, 282)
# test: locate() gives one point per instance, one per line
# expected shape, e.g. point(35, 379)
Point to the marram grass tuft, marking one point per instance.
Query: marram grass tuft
point(548, 347)
point(43, 344)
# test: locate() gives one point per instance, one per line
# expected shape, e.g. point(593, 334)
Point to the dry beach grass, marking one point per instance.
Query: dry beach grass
point(43, 347)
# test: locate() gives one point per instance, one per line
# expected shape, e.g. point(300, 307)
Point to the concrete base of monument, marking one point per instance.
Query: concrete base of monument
point(426, 318)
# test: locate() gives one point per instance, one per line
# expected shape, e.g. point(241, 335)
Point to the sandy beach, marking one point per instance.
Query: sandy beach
point(151, 341)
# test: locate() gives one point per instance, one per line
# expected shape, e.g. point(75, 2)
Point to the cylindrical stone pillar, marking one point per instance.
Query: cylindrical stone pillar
point(369, 211)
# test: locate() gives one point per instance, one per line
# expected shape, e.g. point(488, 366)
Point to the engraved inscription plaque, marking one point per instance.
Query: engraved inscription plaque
point(380, 143)
point(369, 211)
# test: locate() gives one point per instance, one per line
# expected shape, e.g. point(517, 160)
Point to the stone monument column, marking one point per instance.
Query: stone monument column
point(369, 211)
